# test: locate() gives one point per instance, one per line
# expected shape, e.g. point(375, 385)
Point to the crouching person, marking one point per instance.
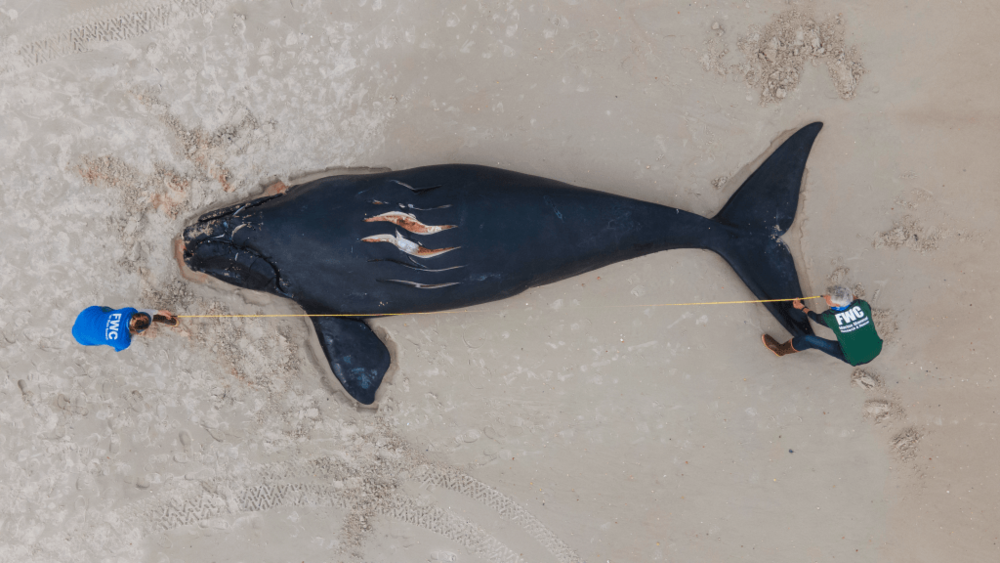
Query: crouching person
point(850, 319)
point(96, 326)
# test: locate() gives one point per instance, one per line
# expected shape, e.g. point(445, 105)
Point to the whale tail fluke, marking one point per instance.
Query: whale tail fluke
point(762, 210)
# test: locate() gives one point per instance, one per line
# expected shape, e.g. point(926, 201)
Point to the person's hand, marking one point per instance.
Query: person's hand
point(798, 304)
point(166, 317)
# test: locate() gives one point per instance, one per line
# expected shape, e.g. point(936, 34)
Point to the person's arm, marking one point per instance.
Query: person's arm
point(162, 316)
point(811, 314)
point(166, 317)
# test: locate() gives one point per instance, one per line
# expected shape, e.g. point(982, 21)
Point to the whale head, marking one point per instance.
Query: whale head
point(219, 246)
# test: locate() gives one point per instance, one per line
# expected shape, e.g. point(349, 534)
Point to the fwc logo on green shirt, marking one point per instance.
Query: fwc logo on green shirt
point(855, 331)
point(851, 319)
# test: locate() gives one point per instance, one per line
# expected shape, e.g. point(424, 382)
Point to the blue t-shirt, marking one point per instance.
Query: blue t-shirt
point(103, 325)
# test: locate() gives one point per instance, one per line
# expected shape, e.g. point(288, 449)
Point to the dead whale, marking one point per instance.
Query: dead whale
point(444, 237)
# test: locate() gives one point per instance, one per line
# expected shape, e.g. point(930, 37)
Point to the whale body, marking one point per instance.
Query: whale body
point(450, 236)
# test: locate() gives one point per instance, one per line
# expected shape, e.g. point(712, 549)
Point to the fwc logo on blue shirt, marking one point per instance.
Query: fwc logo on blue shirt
point(111, 330)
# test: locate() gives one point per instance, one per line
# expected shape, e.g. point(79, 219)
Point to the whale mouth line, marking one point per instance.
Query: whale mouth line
point(237, 265)
point(208, 247)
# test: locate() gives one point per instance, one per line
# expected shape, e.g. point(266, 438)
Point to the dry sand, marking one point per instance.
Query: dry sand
point(554, 428)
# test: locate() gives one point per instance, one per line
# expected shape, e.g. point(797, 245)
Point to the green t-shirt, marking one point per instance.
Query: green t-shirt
point(855, 331)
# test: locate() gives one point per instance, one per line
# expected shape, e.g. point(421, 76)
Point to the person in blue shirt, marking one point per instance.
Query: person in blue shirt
point(96, 326)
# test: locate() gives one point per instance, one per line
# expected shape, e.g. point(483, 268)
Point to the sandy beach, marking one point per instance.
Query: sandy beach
point(602, 418)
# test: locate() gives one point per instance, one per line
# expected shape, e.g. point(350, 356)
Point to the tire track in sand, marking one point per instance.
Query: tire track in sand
point(223, 497)
point(92, 29)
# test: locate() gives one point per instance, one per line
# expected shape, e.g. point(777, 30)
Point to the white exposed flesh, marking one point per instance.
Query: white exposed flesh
point(409, 222)
point(408, 246)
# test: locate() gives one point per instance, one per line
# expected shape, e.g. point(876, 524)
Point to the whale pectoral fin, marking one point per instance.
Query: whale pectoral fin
point(356, 355)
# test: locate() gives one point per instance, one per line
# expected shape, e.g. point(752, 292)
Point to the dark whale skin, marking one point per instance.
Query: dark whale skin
point(313, 237)
point(332, 244)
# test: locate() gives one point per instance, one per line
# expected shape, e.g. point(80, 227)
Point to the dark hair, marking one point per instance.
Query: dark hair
point(142, 322)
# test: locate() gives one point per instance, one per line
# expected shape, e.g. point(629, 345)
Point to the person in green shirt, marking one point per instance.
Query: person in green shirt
point(849, 318)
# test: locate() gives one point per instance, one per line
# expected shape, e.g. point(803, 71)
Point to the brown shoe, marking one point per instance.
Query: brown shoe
point(778, 349)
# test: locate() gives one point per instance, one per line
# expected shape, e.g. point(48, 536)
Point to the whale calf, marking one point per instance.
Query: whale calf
point(449, 236)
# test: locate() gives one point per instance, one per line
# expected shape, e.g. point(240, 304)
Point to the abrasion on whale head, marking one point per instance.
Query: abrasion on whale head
point(444, 237)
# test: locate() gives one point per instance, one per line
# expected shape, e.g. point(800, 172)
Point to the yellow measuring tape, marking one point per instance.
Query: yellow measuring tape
point(464, 311)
